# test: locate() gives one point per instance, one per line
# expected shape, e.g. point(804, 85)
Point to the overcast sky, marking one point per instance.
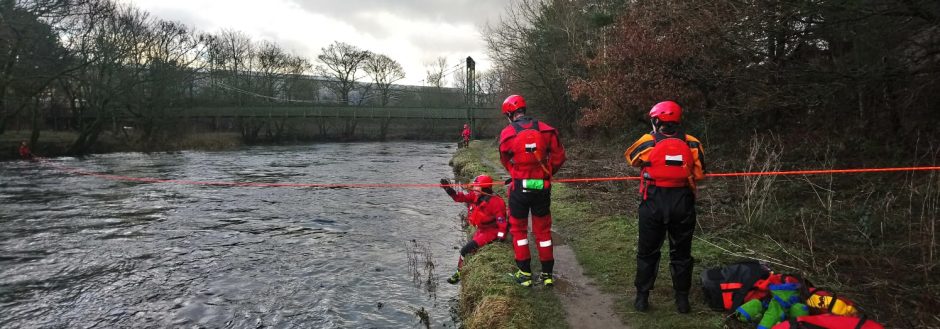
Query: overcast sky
point(413, 32)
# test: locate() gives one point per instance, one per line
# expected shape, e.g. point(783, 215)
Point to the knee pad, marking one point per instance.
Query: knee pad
point(469, 248)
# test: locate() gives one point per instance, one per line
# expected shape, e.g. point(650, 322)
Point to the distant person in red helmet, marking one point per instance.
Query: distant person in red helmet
point(531, 152)
point(466, 135)
point(485, 210)
point(25, 152)
point(671, 162)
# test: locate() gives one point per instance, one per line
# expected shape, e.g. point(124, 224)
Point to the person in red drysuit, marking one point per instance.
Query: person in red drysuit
point(486, 211)
point(531, 152)
point(466, 135)
point(25, 152)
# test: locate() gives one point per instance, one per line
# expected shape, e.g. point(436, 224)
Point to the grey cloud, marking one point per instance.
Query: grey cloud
point(457, 43)
point(476, 12)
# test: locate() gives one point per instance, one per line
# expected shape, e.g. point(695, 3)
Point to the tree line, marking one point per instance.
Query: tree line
point(114, 60)
point(863, 70)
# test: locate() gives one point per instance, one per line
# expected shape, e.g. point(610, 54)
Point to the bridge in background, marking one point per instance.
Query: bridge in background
point(340, 112)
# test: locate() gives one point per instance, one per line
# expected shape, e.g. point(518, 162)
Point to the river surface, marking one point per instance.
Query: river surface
point(80, 251)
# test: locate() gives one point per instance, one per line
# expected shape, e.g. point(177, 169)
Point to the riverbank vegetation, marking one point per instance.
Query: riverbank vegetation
point(765, 85)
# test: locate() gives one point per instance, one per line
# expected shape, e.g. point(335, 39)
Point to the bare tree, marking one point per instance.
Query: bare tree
point(435, 72)
point(236, 59)
point(32, 57)
point(296, 85)
point(384, 71)
point(272, 65)
point(342, 62)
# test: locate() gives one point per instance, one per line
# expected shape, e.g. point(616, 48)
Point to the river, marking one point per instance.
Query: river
point(81, 251)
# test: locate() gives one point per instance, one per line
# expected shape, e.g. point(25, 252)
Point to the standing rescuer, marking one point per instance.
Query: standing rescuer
point(532, 154)
point(671, 162)
point(485, 210)
point(25, 152)
point(466, 135)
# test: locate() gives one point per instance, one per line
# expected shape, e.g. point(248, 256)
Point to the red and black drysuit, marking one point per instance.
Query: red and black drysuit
point(466, 135)
point(523, 165)
point(486, 212)
point(25, 153)
point(667, 207)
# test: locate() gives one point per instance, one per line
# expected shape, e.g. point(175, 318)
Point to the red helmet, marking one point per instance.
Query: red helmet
point(667, 111)
point(513, 103)
point(483, 181)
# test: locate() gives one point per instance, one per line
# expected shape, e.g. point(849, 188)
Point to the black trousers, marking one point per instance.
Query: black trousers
point(666, 211)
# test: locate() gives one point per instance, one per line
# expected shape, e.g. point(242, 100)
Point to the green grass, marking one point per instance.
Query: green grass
point(488, 296)
point(605, 246)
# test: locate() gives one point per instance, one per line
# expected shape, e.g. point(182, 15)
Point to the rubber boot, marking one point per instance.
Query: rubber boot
point(682, 302)
point(642, 302)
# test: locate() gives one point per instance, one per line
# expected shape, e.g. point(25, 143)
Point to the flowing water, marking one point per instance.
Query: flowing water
point(79, 251)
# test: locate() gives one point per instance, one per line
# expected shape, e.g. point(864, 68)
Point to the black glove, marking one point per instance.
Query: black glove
point(448, 189)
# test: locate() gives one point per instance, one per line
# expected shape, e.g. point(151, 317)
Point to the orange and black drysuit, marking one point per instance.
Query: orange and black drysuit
point(666, 208)
point(485, 211)
point(523, 198)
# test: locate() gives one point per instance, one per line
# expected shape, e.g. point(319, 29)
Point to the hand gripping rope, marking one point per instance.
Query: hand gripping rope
point(80, 172)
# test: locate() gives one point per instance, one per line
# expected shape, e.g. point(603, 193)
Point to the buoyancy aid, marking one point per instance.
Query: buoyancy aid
point(822, 302)
point(486, 211)
point(529, 147)
point(670, 162)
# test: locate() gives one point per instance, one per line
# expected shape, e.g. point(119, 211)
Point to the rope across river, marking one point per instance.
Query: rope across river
point(81, 172)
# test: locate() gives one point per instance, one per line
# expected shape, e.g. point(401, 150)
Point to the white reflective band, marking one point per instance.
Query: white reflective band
point(530, 146)
point(546, 243)
point(500, 234)
point(523, 242)
point(674, 157)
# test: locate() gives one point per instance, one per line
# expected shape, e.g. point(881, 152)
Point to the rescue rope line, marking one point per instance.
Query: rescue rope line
point(81, 172)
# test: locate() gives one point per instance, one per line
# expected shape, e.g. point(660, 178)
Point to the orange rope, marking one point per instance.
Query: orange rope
point(407, 185)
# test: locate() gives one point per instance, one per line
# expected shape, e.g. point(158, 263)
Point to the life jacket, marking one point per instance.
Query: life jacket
point(529, 147)
point(822, 302)
point(724, 288)
point(828, 321)
point(670, 163)
point(477, 216)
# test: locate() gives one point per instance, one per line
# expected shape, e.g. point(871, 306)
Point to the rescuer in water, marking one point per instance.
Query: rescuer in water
point(531, 152)
point(671, 162)
point(485, 210)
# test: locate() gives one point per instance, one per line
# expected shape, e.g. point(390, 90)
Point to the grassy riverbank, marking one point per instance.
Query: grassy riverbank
point(603, 236)
point(488, 297)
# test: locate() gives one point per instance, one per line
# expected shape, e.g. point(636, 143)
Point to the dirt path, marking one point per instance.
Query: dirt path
point(586, 307)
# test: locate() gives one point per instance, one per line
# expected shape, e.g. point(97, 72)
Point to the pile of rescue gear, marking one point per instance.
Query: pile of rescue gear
point(754, 294)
